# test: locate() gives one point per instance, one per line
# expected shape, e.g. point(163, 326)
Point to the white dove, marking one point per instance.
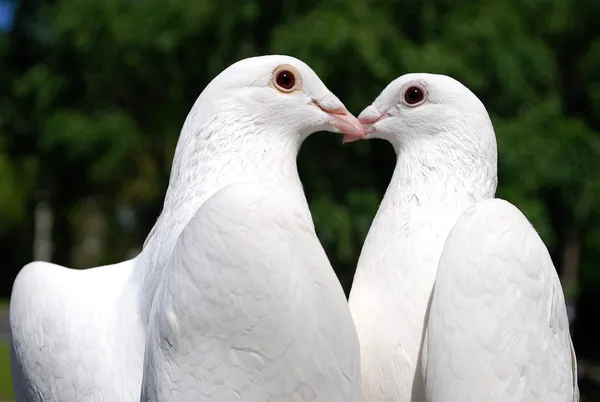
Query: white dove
point(232, 297)
point(498, 328)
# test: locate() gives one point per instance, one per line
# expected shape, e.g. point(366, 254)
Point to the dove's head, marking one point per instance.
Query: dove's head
point(430, 111)
point(248, 125)
point(280, 93)
point(441, 132)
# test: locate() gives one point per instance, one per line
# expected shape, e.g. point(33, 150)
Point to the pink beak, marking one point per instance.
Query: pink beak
point(367, 118)
point(345, 122)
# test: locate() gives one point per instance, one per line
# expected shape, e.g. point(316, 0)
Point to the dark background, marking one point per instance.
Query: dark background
point(93, 94)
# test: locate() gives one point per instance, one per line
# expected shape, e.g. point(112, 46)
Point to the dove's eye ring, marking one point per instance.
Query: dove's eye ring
point(286, 79)
point(414, 96)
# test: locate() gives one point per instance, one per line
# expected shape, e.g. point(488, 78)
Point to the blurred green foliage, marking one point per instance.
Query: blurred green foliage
point(6, 389)
point(95, 93)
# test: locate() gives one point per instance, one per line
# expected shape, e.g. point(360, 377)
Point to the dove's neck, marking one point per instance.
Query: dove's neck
point(215, 150)
point(435, 171)
point(429, 190)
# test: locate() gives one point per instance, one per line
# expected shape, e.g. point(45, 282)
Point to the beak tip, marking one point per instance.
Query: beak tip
point(351, 138)
point(344, 122)
point(369, 117)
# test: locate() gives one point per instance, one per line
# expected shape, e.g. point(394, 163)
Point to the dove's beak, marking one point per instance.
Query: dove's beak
point(347, 124)
point(343, 121)
point(367, 118)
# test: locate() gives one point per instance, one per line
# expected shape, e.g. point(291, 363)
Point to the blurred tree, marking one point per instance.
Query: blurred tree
point(97, 91)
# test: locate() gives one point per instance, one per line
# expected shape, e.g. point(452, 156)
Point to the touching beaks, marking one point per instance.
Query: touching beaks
point(344, 121)
point(367, 118)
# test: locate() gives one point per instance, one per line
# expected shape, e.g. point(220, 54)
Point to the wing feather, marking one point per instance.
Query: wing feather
point(250, 309)
point(68, 341)
point(497, 327)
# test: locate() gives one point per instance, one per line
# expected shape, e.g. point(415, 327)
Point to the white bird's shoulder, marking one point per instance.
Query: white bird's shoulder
point(497, 324)
point(39, 321)
point(39, 299)
point(55, 351)
point(234, 224)
point(237, 202)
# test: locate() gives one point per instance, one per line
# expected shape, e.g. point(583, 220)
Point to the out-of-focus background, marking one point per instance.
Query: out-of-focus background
point(93, 94)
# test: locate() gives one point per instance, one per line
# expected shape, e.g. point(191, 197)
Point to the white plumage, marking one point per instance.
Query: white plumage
point(498, 322)
point(76, 335)
point(249, 308)
point(83, 335)
point(475, 348)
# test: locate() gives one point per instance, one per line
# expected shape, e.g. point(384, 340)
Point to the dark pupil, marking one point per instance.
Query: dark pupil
point(285, 79)
point(413, 95)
